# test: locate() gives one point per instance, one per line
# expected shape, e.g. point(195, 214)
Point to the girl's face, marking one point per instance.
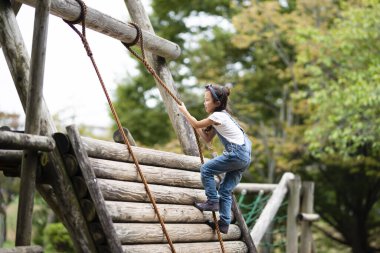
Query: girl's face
point(209, 103)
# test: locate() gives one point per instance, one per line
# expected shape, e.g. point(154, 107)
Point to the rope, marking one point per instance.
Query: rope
point(142, 58)
point(89, 53)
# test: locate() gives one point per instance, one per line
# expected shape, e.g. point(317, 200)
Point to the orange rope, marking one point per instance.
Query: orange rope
point(89, 53)
point(142, 58)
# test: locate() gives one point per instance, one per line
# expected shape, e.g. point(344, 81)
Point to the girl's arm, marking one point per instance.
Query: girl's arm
point(206, 135)
point(193, 121)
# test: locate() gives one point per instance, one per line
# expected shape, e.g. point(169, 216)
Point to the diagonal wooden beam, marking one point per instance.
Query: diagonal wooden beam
point(100, 22)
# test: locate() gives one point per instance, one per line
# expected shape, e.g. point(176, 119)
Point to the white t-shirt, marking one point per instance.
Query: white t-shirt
point(227, 128)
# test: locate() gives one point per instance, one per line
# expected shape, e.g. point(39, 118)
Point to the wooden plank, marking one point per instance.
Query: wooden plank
point(271, 208)
point(182, 128)
point(135, 233)
point(17, 58)
point(93, 189)
point(135, 192)
point(23, 249)
point(103, 23)
point(307, 210)
point(254, 187)
point(154, 175)
point(32, 124)
point(203, 247)
point(243, 226)
point(294, 186)
point(11, 140)
point(144, 212)
point(119, 152)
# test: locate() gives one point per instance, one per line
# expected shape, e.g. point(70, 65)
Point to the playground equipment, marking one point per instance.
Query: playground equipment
point(91, 185)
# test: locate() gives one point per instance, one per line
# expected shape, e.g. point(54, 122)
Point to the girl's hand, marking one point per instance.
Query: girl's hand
point(182, 108)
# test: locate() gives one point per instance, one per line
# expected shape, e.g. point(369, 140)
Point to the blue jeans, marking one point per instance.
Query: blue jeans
point(234, 160)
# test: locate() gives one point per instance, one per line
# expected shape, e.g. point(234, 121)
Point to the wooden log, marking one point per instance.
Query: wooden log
point(98, 234)
point(294, 186)
point(182, 128)
point(71, 165)
point(10, 157)
point(17, 58)
point(117, 137)
point(254, 187)
point(32, 125)
point(11, 140)
point(144, 212)
point(62, 142)
point(93, 189)
point(311, 217)
point(103, 23)
point(80, 186)
point(271, 208)
point(243, 226)
point(204, 247)
point(23, 249)
point(119, 152)
point(307, 208)
point(135, 192)
point(88, 209)
point(134, 233)
point(154, 175)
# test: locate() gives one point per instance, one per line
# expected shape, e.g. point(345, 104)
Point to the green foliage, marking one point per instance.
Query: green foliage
point(57, 239)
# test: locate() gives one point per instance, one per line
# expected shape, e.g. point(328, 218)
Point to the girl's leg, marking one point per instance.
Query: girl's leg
point(228, 184)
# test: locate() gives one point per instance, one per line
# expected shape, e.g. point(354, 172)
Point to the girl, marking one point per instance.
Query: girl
point(235, 158)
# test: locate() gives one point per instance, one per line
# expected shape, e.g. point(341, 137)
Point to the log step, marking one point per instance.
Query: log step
point(154, 175)
point(135, 233)
point(119, 152)
point(135, 192)
point(144, 212)
point(204, 247)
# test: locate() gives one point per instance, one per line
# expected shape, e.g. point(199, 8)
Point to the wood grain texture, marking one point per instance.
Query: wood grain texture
point(135, 192)
point(154, 175)
point(134, 233)
point(201, 247)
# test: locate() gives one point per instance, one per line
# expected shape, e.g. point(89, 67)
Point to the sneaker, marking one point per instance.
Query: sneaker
point(223, 227)
point(208, 206)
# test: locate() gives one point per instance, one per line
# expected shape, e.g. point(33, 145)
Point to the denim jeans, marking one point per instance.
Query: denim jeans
point(234, 160)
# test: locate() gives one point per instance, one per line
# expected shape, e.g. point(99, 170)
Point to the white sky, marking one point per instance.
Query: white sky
point(71, 87)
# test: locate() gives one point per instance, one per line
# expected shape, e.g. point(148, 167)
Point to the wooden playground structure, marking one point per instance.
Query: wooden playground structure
point(93, 186)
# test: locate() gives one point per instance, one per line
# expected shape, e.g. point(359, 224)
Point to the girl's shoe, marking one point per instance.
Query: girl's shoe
point(208, 206)
point(223, 228)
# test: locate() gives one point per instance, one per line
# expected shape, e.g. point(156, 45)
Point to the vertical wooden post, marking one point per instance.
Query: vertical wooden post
point(182, 129)
point(293, 210)
point(307, 207)
point(32, 124)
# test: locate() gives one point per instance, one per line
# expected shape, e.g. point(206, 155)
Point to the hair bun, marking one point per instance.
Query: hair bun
point(226, 90)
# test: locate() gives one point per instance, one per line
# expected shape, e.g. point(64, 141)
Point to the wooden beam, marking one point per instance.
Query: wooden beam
point(144, 212)
point(135, 192)
point(134, 233)
point(8, 157)
point(254, 187)
point(11, 140)
point(93, 189)
point(17, 58)
point(294, 186)
point(32, 124)
point(204, 247)
point(119, 152)
point(271, 208)
point(306, 216)
point(154, 175)
point(23, 249)
point(103, 23)
point(182, 128)
point(16, 6)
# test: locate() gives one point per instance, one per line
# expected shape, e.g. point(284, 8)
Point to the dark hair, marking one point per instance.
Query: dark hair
point(219, 94)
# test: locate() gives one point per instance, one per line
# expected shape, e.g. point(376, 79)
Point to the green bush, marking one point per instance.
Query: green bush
point(57, 239)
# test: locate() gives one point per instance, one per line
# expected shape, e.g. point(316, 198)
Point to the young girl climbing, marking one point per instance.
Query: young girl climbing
point(235, 158)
